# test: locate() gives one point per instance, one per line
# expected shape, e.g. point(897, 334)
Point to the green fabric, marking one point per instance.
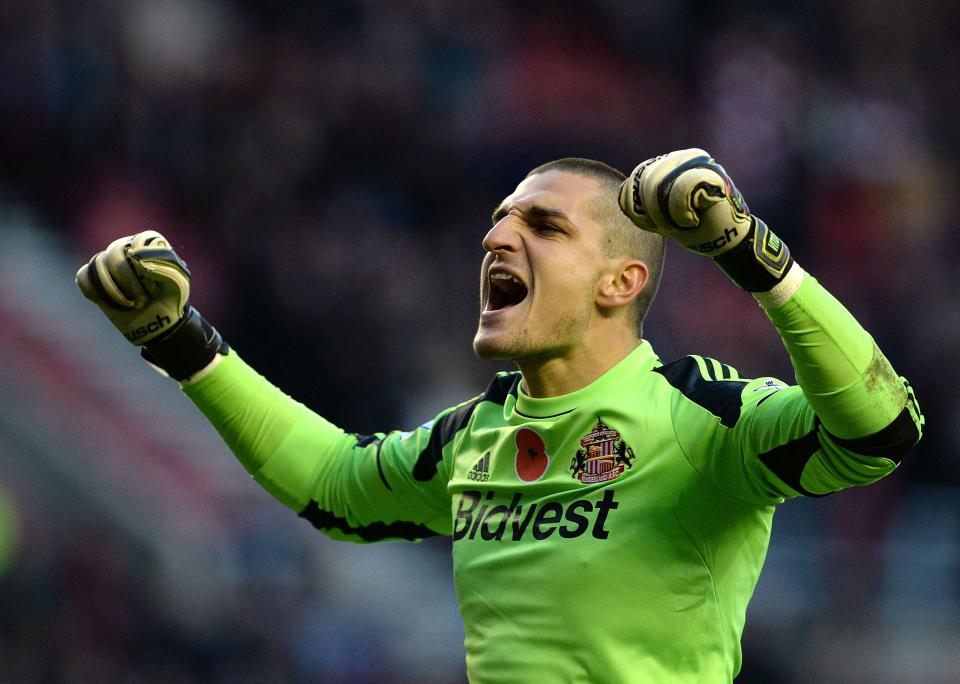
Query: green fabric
point(845, 377)
point(631, 557)
point(300, 457)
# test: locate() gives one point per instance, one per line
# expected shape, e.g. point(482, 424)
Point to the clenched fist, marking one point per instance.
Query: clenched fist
point(143, 288)
point(685, 195)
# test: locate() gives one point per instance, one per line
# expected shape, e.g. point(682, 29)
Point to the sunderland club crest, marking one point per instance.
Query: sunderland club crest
point(602, 455)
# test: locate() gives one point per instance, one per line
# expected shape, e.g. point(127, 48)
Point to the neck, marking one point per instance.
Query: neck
point(561, 373)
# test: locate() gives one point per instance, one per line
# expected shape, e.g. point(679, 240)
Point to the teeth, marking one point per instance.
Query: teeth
point(504, 276)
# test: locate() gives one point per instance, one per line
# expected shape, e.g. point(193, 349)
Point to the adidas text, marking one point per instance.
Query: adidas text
point(480, 472)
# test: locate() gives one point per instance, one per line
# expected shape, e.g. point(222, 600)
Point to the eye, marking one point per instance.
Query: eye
point(547, 228)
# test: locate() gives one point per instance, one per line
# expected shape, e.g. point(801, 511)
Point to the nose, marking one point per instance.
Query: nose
point(503, 237)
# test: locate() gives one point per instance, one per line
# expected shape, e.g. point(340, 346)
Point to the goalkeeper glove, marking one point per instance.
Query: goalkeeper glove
point(143, 287)
point(687, 196)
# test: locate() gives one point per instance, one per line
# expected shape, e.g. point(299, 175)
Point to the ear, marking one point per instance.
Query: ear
point(621, 284)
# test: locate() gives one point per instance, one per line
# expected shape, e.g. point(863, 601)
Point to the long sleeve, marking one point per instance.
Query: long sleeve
point(850, 384)
point(849, 421)
point(359, 488)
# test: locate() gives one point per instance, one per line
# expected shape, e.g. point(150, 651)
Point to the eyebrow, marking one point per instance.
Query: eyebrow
point(535, 212)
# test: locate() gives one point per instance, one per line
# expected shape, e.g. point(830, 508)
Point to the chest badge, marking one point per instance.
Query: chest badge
point(602, 455)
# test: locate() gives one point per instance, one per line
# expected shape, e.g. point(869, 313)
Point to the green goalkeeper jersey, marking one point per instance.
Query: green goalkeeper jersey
point(614, 534)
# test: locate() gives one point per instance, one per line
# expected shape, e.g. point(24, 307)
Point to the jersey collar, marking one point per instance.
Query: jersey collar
point(640, 360)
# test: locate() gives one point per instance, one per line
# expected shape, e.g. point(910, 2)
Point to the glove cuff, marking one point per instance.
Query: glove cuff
point(187, 348)
point(759, 262)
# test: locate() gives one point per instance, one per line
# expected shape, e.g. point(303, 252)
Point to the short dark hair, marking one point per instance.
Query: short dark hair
point(622, 237)
point(583, 167)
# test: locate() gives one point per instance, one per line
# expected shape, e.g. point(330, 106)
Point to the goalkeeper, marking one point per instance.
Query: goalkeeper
point(610, 513)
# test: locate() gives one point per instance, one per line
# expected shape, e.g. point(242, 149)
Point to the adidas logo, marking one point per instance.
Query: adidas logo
point(480, 472)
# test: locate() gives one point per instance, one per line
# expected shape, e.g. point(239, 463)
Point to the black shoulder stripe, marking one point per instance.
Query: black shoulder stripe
point(378, 531)
point(787, 461)
point(892, 442)
point(719, 397)
point(449, 425)
point(502, 386)
point(443, 431)
point(711, 372)
point(728, 372)
point(515, 379)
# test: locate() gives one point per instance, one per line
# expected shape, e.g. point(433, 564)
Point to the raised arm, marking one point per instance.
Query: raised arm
point(359, 488)
point(853, 418)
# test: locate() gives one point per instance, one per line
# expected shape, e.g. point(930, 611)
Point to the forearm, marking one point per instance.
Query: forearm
point(848, 381)
point(260, 424)
point(862, 411)
point(347, 488)
point(362, 489)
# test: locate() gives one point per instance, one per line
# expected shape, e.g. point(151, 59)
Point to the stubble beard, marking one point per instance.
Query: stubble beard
point(522, 345)
point(506, 346)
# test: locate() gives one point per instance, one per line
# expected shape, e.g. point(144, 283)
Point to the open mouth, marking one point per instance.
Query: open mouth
point(505, 290)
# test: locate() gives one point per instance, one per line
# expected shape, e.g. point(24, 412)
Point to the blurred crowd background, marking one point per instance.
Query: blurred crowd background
point(328, 169)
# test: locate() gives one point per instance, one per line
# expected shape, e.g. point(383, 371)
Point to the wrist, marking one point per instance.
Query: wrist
point(759, 262)
point(203, 372)
point(781, 293)
point(186, 349)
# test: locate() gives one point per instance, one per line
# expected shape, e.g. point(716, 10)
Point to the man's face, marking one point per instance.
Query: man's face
point(539, 278)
